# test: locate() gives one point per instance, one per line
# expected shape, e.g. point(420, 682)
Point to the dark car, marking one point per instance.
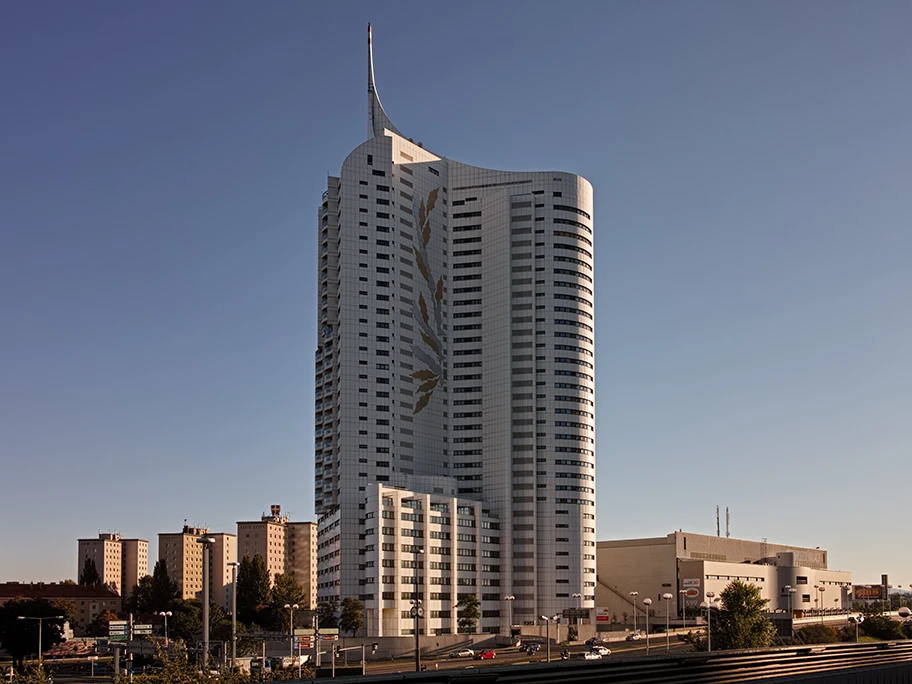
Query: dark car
point(532, 647)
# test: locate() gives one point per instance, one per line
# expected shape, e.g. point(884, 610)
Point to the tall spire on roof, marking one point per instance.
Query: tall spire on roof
point(377, 119)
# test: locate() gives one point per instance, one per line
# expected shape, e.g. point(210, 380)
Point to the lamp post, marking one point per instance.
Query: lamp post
point(856, 620)
point(647, 602)
point(791, 592)
point(40, 622)
point(417, 610)
point(509, 599)
point(205, 541)
point(548, 621)
point(667, 598)
point(234, 573)
point(822, 609)
point(633, 600)
point(683, 594)
point(165, 614)
point(579, 606)
point(709, 643)
point(291, 608)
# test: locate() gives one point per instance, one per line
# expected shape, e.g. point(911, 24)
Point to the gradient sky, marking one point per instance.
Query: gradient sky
point(161, 165)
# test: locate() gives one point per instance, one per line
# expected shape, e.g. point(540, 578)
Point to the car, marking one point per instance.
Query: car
point(532, 647)
point(601, 650)
point(636, 636)
point(463, 653)
point(595, 641)
point(589, 655)
point(485, 655)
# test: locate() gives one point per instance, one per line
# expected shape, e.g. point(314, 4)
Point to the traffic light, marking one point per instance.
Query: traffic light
point(374, 646)
point(336, 650)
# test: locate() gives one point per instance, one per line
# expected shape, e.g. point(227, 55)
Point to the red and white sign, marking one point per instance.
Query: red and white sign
point(602, 615)
point(691, 593)
point(695, 582)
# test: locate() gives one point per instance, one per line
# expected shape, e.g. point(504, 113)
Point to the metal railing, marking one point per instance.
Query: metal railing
point(724, 667)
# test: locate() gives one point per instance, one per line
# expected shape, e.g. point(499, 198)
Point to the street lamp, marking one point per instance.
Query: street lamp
point(856, 620)
point(709, 643)
point(548, 621)
point(822, 609)
point(509, 599)
point(291, 608)
point(40, 621)
point(165, 614)
point(667, 598)
point(417, 611)
point(205, 541)
point(683, 594)
point(633, 600)
point(579, 605)
point(647, 602)
point(791, 592)
point(234, 573)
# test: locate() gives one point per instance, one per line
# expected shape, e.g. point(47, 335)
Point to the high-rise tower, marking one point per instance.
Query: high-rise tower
point(455, 386)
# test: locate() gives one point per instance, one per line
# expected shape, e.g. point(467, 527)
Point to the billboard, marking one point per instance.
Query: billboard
point(867, 592)
point(690, 582)
point(602, 615)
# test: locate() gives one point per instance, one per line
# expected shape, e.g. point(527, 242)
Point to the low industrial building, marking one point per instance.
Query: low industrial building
point(688, 566)
point(90, 602)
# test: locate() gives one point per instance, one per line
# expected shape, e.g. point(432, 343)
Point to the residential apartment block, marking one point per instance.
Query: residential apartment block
point(286, 547)
point(454, 385)
point(184, 557)
point(120, 562)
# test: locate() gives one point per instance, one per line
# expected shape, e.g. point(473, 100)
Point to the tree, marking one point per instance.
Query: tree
point(253, 588)
point(20, 637)
point(89, 576)
point(99, 626)
point(882, 627)
point(741, 622)
point(140, 600)
point(816, 634)
point(326, 612)
point(162, 590)
point(285, 592)
point(352, 617)
point(626, 617)
point(467, 613)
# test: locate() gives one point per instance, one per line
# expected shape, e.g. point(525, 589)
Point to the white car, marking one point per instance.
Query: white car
point(463, 653)
point(601, 650)
point(636, 636)
point(589, 655)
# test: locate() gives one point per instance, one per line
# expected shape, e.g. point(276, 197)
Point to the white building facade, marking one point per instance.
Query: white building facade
point(456, 361)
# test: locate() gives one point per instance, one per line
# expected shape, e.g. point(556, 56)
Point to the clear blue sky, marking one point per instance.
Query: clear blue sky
point(160, 169)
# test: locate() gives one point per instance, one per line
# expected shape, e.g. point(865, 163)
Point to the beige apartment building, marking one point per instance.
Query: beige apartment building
point(286, 547)
point(183, 555)
point(120, 562)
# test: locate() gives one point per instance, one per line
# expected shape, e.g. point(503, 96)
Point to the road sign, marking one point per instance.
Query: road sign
point(117, 623)
point(575, 613)
point(303, 642)
point(142, 629)
point(117, 637)
point(329, 637)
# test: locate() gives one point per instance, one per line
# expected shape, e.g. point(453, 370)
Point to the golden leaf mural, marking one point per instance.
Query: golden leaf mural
point(423, 306)
point(429, 341)
point(429, 385)
point(428, 309)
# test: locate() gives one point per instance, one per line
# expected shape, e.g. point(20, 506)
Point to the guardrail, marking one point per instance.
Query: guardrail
point(723, 667)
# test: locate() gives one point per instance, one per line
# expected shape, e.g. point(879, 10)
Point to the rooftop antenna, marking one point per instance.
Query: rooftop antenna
point(727, 520)
point(718, 532)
